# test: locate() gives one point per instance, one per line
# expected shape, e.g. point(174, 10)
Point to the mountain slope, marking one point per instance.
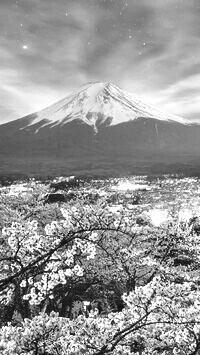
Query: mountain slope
point(97, 127)
point(98, 104)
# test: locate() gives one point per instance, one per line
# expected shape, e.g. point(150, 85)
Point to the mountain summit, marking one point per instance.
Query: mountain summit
point(99, 129)
point(97, 104)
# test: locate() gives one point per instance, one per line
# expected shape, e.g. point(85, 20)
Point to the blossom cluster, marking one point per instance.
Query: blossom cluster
point(160, 313)
point(160, 316)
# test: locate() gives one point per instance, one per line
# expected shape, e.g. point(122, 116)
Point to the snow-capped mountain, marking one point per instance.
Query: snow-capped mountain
point(97, 104)
point(99, 129)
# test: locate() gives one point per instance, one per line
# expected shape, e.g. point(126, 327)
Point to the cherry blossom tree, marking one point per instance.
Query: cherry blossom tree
point(154, 271)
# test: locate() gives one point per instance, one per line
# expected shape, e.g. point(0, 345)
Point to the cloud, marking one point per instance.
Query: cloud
point(28, 99)
point(182, 97)
point(148, 47)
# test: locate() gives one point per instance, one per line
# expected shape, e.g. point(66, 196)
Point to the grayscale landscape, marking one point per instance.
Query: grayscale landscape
point(99, 177)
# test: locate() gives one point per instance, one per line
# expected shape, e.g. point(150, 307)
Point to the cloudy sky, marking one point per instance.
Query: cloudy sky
point(150, 48)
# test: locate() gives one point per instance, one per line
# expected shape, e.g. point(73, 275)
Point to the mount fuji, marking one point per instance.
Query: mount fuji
point(98, 104)
point(99, 129)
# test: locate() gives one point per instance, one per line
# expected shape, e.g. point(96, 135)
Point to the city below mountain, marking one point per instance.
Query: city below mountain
point(99, 130)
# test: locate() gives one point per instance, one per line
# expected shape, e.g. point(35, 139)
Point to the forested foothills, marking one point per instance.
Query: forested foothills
point(81, 274)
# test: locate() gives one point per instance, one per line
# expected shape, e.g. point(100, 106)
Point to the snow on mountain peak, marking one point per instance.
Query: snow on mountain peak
point(100, 103)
